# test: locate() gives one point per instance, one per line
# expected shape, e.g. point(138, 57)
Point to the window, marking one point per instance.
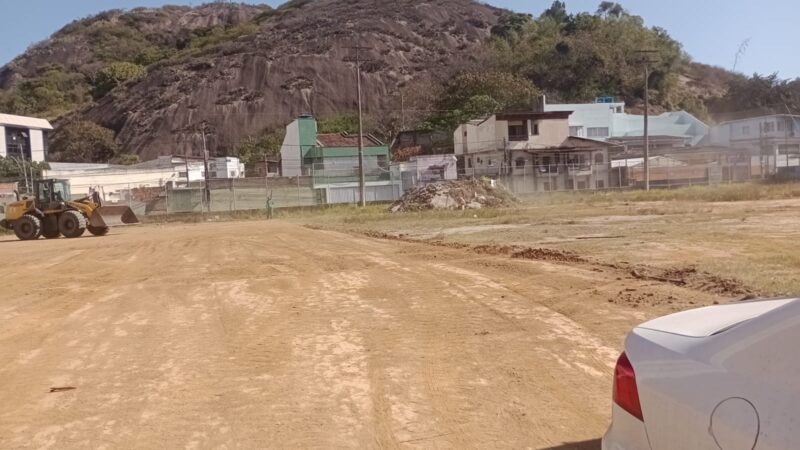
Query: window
point(601, 184)
point(182, 174)
point(746, 130)
point(597, 132)
point(546, 186)
point(535, 131)
point(518, 130)
point(781, 125)
point(581, 185)
point(520, 163)
point(490, 162)
point(576, 131)
point(571, 184)
point(599, 158)
point(233, 174)
point(469, 163)
point(465, 133)
point(769, 127)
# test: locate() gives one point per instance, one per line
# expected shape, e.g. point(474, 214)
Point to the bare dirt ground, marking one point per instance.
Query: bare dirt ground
point(272, 335)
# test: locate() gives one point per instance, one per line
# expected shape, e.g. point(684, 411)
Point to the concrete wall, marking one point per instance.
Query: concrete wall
point(291, 156)
point(227, 167)
point(113, 183)
point(3, 141)
point(37, 145)
point(479, 137)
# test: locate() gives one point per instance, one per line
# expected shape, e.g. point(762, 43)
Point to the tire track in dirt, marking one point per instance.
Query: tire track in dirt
point(270, 335)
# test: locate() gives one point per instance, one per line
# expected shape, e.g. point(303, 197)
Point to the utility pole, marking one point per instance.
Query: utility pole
point(402, 111)
point(646, 59)
point(361, 178)
point(206, 191)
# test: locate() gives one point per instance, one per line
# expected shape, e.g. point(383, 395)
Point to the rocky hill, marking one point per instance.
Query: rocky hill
point(160, 78)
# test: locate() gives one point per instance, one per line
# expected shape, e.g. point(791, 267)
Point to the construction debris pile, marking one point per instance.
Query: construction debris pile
point(461, 194)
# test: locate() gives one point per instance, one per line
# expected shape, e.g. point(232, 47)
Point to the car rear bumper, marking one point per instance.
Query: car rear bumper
point(625, 433)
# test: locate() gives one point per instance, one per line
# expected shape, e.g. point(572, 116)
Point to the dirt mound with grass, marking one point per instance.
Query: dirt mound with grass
point(693, 278)
point(454, 195)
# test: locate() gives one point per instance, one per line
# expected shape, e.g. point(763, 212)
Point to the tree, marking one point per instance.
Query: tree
point(472, 95)
point(557, 11)
point(760, 92)
point(610, 9)
point(591, 55)
point(510, 25)
point(115, 74)
point(253, 149)
point(11, 168)
point(83, 141)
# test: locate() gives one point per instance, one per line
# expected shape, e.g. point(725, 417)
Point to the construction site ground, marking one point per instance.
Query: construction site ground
point(358, 331)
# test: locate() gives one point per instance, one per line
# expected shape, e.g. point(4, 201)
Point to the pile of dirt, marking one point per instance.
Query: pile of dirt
point(693, 278)
point(546, 254)
point(460, 194)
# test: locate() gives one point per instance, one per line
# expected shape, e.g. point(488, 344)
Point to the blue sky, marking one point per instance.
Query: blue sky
point(711, 30)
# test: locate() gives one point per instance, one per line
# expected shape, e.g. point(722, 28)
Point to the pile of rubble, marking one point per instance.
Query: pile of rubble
point(461, 194)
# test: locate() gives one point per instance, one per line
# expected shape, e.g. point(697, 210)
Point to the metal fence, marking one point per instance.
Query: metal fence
point(326, 186)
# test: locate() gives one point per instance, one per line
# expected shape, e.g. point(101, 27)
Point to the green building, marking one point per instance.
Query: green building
point(332, 161)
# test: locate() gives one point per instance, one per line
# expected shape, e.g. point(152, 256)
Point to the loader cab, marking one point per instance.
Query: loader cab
point(51, 194)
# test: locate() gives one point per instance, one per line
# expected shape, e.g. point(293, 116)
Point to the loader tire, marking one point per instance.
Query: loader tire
point(50, 227)
point(98, 231)
point(72, 224)
point(28, 228)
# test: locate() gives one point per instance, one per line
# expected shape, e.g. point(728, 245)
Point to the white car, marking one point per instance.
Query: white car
point(721, 377)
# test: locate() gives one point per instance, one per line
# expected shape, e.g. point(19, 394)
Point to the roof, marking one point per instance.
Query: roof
point(582, 142)
point(641, 138)
point(346, 140)
point(24, 122)
point(533, 115)
point(758, 117)
point(574, 143)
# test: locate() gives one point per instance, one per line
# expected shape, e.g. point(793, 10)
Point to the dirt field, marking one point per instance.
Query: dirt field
point(257, 335)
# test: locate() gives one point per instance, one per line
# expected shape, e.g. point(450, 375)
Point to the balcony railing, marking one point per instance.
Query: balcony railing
point(579, 169)
point(550, 169)
point(518, 137)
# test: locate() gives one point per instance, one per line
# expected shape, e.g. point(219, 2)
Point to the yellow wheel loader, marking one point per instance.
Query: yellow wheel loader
point(51, 213)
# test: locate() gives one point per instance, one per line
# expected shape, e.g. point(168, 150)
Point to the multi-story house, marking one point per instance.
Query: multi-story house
point(533, 149)
point(772, 141)
point(332, 161)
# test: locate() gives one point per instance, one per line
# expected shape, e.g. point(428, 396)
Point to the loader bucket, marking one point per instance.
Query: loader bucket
point(112, 216)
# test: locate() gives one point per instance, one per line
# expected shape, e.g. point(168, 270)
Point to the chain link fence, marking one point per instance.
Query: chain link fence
point(322, 185)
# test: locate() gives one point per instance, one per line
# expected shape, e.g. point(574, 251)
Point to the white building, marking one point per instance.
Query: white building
point(772, 141)
point(605, 121)
point(24, 137)
point(115, 181)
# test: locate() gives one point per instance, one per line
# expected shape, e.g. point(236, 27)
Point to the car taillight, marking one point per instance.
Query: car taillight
point(626, 394)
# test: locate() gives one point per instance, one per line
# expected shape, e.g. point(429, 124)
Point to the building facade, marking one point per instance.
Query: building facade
point(773, 141)
point(332, 161)
point(606, 121)
point(533, 151)
point(24, 137)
